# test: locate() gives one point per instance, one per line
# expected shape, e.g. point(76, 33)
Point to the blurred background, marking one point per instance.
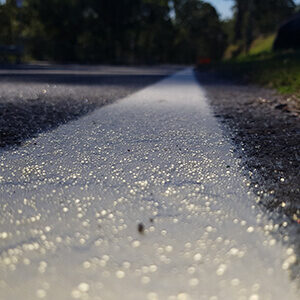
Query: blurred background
point(142, 31)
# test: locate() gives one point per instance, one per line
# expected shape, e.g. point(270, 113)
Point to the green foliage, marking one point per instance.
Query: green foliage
point(124, 31)
point(9, 23)
point(277, 70)
point(199, 30)
point(262, 66)
point(269, 14)
point(262, 44)
point(254, 18)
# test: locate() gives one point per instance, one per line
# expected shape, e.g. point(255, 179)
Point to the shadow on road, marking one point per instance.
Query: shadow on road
point(80, 79)
point(24, 119)
point(70, 92)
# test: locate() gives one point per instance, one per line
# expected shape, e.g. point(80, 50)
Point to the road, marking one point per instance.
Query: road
point(141, 199)
point(36, 98)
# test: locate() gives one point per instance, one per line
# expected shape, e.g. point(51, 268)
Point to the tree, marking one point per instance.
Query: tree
point(9, 23)
point(52, 27)
point(199, 30)
point(256, 17)
point(156, 35)
point(124, 31)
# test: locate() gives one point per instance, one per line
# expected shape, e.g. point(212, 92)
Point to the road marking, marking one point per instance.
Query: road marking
point(72, 205)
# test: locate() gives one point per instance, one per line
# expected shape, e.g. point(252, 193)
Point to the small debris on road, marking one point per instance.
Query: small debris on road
point(141, 228)
point(281, 106)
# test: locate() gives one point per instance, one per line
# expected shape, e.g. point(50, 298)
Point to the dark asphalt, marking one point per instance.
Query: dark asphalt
point(267, 138)
point(35, 98)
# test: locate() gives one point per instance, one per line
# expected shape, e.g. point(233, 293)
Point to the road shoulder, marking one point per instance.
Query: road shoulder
point(265, 129)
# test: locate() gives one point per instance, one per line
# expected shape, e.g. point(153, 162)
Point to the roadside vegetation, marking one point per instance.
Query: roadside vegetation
point(250, 54)
point(279, 70)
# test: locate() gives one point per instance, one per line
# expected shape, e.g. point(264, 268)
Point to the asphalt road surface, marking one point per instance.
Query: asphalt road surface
point(35, 98)
point(140, 199)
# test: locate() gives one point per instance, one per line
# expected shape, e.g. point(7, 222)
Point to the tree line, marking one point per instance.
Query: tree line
point(134, 31)
point(254, 18)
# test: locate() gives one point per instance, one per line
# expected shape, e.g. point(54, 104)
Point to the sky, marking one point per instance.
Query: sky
point(224, 7)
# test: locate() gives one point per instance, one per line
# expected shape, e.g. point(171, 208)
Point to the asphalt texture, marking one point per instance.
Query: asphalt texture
point(145, 198)
point(35, 98)
point(265, 129)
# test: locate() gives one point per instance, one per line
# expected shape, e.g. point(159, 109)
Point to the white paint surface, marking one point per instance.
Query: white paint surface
point(72, 202)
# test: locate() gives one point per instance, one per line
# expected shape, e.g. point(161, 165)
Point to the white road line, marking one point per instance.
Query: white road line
point(72, 202)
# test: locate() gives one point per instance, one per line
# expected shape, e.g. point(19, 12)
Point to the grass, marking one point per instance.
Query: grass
point(276, 70)
point(262, 45)
point(262, 66)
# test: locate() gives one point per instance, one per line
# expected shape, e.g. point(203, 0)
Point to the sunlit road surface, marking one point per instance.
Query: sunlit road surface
point(72, 199)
